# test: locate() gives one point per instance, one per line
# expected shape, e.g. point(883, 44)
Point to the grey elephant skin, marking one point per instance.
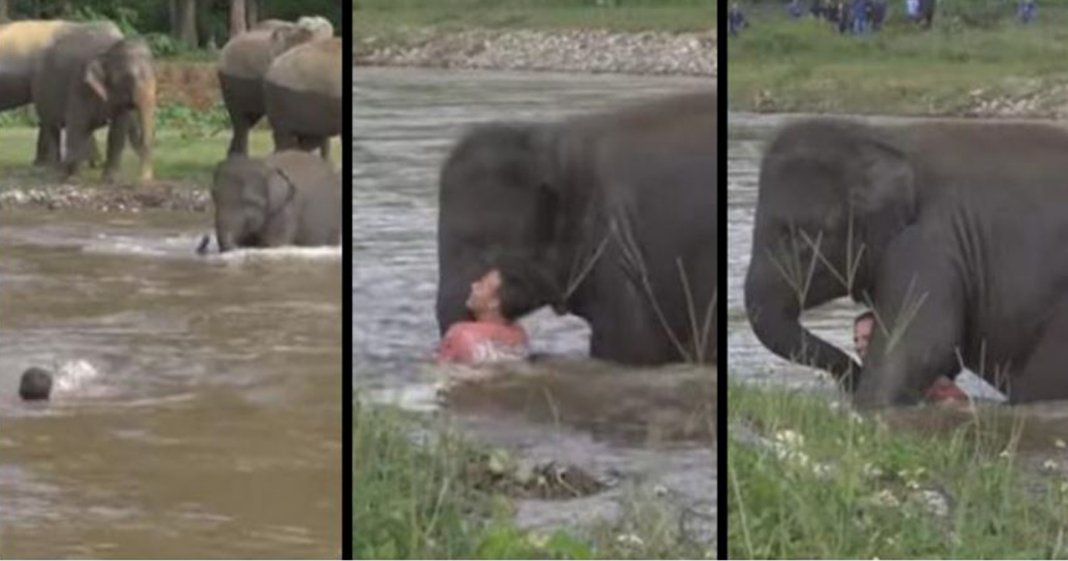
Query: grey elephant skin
point(303, 95)
point(953, 232)
point(243, 62)
point(22, 44)
point(288, 198)
point(96, 78)
point(618, 208)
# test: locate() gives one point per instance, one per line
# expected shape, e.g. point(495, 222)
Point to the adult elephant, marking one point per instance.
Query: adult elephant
point(954, 234)
point(22, 43)
point(287, 198)
point(243, 62)
point(619, 209)
point(302, 93)
point(88, 80)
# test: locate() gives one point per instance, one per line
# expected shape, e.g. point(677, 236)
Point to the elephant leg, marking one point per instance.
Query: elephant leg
point(920, 309)
point(242, 124)
point(117, 131)
point(1043, 376)
point(324, 148)
point(285, 140)
point(93, 151)
point(624, 328)
point(48, 142)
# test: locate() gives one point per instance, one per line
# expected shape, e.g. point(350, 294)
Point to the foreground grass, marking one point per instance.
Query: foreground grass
point(418, 498)
point(386, 17)
point(180, 156)
point(829, 484)
point(805, 66)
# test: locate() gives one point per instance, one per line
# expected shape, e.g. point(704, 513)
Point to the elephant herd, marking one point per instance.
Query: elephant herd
point(83, 76)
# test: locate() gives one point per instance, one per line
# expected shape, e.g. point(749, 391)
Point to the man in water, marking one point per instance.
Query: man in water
point(35, 385)
point(497, 300)
point(943, 389)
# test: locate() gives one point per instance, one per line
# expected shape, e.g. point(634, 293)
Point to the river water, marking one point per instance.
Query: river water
point(197, 403)
point(405, 121)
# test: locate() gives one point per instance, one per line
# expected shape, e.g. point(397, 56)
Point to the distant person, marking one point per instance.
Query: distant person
point(861, 12)
point(496, 302)
point(912, 10)
point(878, 14)
point(1027, 11)
point(943, 389)
point(816, 8)
point(794, 9)
point(35, 385)
point(736, 20)
point(844, 17)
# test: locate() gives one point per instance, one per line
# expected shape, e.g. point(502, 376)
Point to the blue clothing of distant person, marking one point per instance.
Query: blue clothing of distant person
point(1027, 11)
point(794, 9)
point(860, 16)
point(735, 20)
point(912, 9)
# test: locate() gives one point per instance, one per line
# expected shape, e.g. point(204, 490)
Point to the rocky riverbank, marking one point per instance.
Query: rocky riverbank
point(155, 196)
point(587, 51)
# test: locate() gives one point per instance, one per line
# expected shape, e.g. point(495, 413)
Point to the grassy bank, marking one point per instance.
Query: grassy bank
point(420, 498)
point(966, 64)
point(384, 18)
point(181, 155)
point(825, 483)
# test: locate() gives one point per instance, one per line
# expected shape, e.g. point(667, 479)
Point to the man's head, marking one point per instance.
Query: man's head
point(35, 385)
point(863, 326)
point(510, 289)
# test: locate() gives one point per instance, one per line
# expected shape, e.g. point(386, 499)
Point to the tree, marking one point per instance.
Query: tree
point(238, 21)
point(253, 11)
point(3, 11)
point(184, 21)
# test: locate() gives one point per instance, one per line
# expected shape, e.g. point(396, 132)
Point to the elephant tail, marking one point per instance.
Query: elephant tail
point(202, 247)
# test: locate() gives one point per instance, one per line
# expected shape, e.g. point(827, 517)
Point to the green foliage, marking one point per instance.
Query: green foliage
point(934, 483)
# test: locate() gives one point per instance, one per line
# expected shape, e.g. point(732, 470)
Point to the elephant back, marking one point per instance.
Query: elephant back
point(312, 67)
point(249, 54)
point(22, 42)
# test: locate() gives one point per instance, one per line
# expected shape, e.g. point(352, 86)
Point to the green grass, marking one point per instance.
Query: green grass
point(842, 486)
point(183, 156)
point(424, 501)
point(805, 66)
point(383, 18)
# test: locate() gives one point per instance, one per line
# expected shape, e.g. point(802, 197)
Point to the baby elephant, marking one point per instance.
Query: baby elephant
point(288, 198)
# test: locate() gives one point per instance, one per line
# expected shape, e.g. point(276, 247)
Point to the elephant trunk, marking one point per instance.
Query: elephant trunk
point(774, 312)
point(146, 107)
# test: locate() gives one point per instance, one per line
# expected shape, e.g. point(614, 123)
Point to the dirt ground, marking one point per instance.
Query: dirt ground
point(194, 84)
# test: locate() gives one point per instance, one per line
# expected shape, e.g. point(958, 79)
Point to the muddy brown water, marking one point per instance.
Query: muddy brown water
point(405, 121)
point(197, 409)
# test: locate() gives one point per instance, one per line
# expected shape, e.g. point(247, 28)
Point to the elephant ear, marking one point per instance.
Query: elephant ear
point(95, 78)
point(280, 191)
point(889, 181)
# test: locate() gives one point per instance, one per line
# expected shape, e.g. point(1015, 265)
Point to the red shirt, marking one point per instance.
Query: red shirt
point(945, 389)
point(474, 342)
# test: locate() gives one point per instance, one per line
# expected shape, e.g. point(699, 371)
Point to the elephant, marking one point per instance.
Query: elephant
point(288, 198)
point(87, 80)
point(952, 232)
point(21, 45)
point(244, 61)
point(618, 208)
point(303, 96)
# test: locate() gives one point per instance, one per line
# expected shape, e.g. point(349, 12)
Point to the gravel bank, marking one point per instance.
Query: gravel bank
point(158, 196)
point(588, 51)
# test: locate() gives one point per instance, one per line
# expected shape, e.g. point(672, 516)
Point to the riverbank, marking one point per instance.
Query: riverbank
point(424, 491)
point(562, 459)
point(999, 70)
point(184, 162)
point(811, 478)
point(665, 38)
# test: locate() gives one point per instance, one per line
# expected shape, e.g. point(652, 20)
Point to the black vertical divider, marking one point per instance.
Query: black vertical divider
point(721, 290)
point(346, 286)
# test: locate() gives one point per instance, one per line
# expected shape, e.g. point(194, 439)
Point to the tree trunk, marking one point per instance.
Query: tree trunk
point(187, 22)
point(238, 19)
point(3, 11)
point(252, 12)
